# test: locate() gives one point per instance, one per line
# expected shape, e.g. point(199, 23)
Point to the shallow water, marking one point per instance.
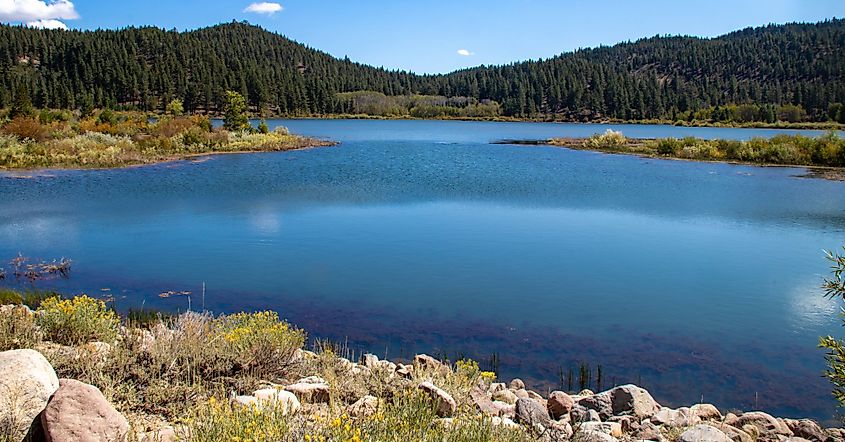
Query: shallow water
point(691, 279)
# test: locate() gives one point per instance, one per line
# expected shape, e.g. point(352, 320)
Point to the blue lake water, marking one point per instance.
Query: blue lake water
point(695, 280)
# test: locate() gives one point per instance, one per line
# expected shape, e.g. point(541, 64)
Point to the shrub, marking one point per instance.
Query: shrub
point(608, 140)
point(216, 420)
point(10, 297)
point(667, 146)
point(77, 321)
point(834, 288)
point(260, 342)
point(17, 328)
point(27, 128)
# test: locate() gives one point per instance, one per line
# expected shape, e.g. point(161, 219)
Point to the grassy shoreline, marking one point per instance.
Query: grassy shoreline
point(61, 140)
point(823, 157)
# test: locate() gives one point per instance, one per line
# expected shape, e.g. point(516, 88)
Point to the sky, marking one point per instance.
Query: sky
point(434, 36)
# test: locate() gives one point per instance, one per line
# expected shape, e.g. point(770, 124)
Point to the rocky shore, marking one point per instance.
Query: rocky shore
point(322, 396)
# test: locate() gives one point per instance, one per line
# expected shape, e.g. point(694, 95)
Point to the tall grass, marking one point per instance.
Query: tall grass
point(114, 139)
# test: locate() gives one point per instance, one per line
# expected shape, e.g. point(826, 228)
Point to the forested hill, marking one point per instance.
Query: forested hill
point(779, 72)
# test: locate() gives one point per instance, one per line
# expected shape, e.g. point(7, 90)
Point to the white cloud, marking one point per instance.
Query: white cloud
point(47, 24)
point(264, 8)
point(34, 10)
point(464, 53)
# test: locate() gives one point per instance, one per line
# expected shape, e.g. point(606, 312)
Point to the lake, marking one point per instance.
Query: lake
point(694, 280)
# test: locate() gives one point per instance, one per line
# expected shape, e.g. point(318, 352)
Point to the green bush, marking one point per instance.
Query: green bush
point(834, 288)
point(17, 328)
point(77, 321)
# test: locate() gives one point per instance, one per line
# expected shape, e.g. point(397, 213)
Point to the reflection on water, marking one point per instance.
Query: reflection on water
point(689, 278)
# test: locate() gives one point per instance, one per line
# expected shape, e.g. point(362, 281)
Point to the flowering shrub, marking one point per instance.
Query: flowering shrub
point(260, 341)
point(77, 321)
point(607, 140)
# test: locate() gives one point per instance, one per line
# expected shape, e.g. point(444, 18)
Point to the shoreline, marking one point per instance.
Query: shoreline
point(809, 126)
point(309, 143)
point(813, 171)
point(320, 386)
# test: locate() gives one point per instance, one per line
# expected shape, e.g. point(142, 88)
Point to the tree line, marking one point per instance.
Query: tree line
point(772, 73)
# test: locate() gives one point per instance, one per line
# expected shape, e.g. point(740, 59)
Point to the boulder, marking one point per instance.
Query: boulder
point(682, 417)
point(734, 433)
point(632, 400)
point(504, 422)
point(517, 384)
point(364, 407)
point(807, 429)
point(370, 361)
point(446, 405)
point(496, 386)
point(504, 409)
point(611, 428)
point(703, 433)
point(482, 401)
point(706, 412)
point(429, 363)
point(505, 396)
point(79, 412)
point(27, 381)
point(530, 412)
point(586, 392)
point(580, 413)
point(312, 389)
point(283, 401)
point(646, 431)
point(767, 426)
point(559, 404)
point(593, 436)
point(601, 403)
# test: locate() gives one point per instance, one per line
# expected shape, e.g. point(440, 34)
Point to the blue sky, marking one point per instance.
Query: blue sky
point(427, 36)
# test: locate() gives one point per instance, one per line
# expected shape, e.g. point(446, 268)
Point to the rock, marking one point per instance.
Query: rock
point(364, 407)
point(521, 393)
point(836, 434)
point(370, 361)
point(504, 409)
point(706, 412)
point(585, 392)
point(559, 404)
point(734, 433)
point(593, 436)
point(446, 405)
point(703, 433)
point(506, 396)
point(561, 431)
point(344, 364)
point(646, 431)
point(602, 403)
point(245, 401)
point(312, 389)
point(27, 381)
point(795, 439)
point(496, 386)
point(767, 426)
point(580, 413)
point(406, 371)
point(283, 401)
point(807, 429)
point(429, 363)
point(529, 412)
point(517, 384)
point(80, 412)
point(482, 401)
point(504, 422)
point(611, 428)
point(682, 417)
point(632, 400)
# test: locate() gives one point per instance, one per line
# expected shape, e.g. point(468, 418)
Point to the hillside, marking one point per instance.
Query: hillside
point(793, 72)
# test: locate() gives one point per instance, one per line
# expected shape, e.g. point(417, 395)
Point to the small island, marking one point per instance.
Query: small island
point(33, 139)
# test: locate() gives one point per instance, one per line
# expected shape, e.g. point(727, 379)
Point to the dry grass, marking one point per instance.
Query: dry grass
point(115, 139)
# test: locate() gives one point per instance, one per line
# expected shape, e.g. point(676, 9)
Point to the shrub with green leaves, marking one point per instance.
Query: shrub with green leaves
point(260, 342)
point(834, 288)
point(17, 328)
point(77, 321)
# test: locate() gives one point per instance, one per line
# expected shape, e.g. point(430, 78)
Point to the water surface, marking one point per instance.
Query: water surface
point(691, 279)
